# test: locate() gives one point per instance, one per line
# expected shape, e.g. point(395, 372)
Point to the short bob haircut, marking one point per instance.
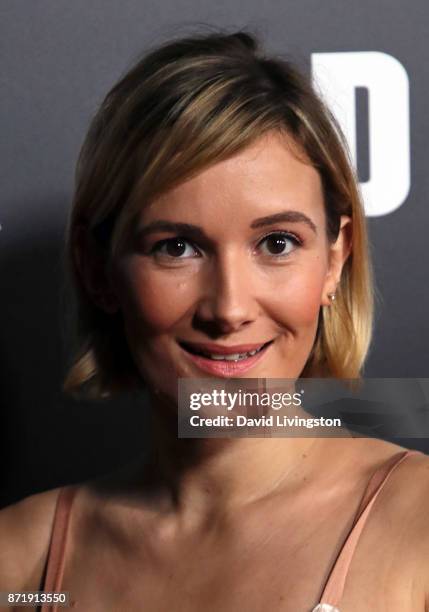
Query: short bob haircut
point(188, 104)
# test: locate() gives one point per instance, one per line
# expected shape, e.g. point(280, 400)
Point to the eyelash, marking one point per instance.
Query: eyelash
point(156, 248)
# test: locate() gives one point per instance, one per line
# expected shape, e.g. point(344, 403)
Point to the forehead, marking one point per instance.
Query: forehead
point(269, 176)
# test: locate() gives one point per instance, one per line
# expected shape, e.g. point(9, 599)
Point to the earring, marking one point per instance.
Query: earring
point(331, 296)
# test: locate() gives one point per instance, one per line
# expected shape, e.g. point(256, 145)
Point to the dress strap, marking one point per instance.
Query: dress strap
point(334, 587)
point(57, 545)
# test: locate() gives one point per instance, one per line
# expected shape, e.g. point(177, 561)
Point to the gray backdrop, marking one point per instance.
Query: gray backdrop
point(58, 58)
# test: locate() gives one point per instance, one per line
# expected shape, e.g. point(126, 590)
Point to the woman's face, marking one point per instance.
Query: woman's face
point(233, 259)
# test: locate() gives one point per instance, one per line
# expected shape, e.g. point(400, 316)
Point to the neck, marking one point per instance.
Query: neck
point(219, 475)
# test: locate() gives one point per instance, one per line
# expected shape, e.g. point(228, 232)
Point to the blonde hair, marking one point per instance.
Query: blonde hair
point(186, 105)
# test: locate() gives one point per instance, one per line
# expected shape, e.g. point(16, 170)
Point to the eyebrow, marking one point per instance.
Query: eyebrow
point(290, 216)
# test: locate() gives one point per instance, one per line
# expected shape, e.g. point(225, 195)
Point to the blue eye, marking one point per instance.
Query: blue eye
point(280, 244)
point(177, 248)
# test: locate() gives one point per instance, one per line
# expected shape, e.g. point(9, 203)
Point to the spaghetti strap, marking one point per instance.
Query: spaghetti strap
point(57, 545)
point(334, 587)
point(335, 583)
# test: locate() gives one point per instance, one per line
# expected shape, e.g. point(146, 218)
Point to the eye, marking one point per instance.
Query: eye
point(177, 248)
point(279, 244)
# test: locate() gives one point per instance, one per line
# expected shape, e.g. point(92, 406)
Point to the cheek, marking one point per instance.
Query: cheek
point(297, 299)
point(152, 302)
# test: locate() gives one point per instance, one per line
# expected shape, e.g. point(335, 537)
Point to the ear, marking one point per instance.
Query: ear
point(338, 254)
point(92, 266)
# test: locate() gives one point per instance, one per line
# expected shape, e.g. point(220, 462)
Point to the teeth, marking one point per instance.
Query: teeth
point(234, 357)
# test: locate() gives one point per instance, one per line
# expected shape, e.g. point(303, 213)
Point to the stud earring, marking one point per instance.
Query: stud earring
point(331, 296)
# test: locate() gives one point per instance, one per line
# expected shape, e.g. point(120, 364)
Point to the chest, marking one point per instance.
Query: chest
point(260, 563)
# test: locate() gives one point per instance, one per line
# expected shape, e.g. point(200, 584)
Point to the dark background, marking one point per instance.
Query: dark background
point(58, 58)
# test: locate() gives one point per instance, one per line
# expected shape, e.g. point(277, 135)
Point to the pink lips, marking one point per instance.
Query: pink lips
point(218, 349)
point(227, 369)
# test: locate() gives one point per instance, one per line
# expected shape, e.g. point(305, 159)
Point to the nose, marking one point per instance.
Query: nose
point(228, 302)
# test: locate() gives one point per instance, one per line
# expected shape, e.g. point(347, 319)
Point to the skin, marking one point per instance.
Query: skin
point(236, 291)
point(240, 523)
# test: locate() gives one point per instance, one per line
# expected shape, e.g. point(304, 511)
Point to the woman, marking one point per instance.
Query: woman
point(216, 213)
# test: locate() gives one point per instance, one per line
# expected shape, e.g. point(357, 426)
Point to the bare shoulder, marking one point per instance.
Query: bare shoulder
point(410, 488)
point(25, 529)
point(404, 511)
point(404, 501)
point(413, 488)
point(410, 480)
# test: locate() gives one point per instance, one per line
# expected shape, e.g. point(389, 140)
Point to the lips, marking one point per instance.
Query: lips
point(216, 349)
point(225, 361)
